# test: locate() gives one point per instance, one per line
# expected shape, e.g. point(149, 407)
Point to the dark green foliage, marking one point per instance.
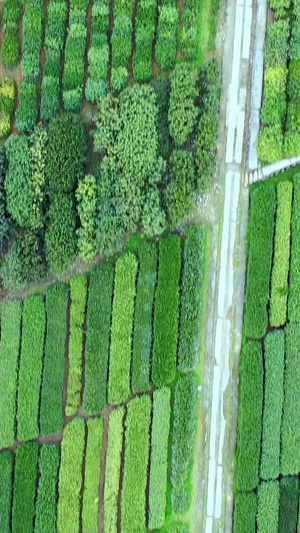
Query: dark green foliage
point(183, 440)
point(10, 44)
point(30, 369)
point(9, 345)
point(98, 54)
point(6, 468)
point(50, 97)
point(32, 40)
point(23, 510)
point(294, 282)
point(189, 35)
point(180, 192)
point(245, 506)
point(176, 527)
point(183, 111)
point(133, 505)
point(60, 235)
point(145, 24)
point(51, 409)
point(47, 490)
point(250, 417)
point(142, 334)
point(260, 237)
point(191, 298)
point(90, 503)
point(162, 88)
point(98, 337)
point(166, 312)
point(167, 36)
point(27, 112)
point(289, 502)
point(5, 221)
point(268, 507)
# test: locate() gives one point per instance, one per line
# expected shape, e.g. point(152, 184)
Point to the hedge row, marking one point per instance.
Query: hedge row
point(166, 311)
point(90, 502)
point(159, 457)
point(183, 111)
point(32, 40)
point(78, 287)
point(245, 506)
point(27, 112)
point(262, 210)
point(121, 329)
point(113, 467)
point(133, 505)
point(6, 485)
point(9, 346)
point(121, 43)
point(51, 410)
point(98, 54)
point(268, 507)
point(10, 48)
point(273, 403)
point(25, 479)
point(250, 417)
point(294, 281)
point(30, 370)
point(98, 337)
point(289, 503)
point(189, 33)
point(290, 428)
point(46, 504)
point(281, 265)
point(183, 440)
point(7, 101)
point(142, 334)
point(191, 298)
point(292, 134)
point(167, 35)
point(145, 24)
point(70, 476)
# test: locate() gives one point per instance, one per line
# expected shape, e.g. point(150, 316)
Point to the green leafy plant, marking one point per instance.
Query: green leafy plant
point(25, 477)
point(46, 503)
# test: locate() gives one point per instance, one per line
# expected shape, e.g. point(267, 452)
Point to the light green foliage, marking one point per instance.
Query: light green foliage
point(25, 478)
point(7, 99)
point(270, 144)
point(294, 281)
point(86, 196)
point(47, 490)
point(268, 507)
point(183, 111)
point(90, 503)
point(167, 36)
point(245, 506)
point(6, 485)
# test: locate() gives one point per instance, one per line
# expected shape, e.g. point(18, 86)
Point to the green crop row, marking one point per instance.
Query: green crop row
point(273, 402)
point(145, 25)
point(262, 210)
point(191, 298)
point(51, 410)
point(166, 311)
point(78, 287)
point(183, 440)
point(159, 457)
point(46, 505)
point(294, 281)
point(25, 479)
point(9, 346)
point(245, 507)
point(98, 337)
point(113, 467)
point(281, 265)
point(7, 100)
point(10, 48)
point(142, 335)
point(30, 370)
point(268, 507)
point(6, 485)
point(98, 54)
point(289, 503)
point(250, 417)
point(292, 134)
point(121, 329)
point(167, 36)
point(90, 504)
point(32, 40)
point(70, 476)
point(133, 505)
point(189, 35)
point(27, 112)
point(121, 43)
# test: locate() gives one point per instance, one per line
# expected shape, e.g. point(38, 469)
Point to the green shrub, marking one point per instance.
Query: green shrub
point(6, 224)
point(293, 87)
point(37, 155)
point(119, 78)
point(268, 507)
point(113, 467)
point(25, 478)
point(77, 317)
point(57, 15)
point(275, 81)
point(276, 48)
point(121, 329)
point(60, 235)
point(153, 218)
point(144, 303)
point(294, 282)
point(27, 112)
point(250, 417)
point(245, 506)
point(294, 48)
point(159, 457)
point(70, 476)
point(46, 503)
point(30, 369)
point(262, 210)
point(95, 90)
point(6, 467)
point(180, 192)
point(86, 196)
point(176, 527)
point(98, 337)
point(289, 502)
point(280, 7)
point(167, 36)
point(11, 314)
point(274, 110)
point(50, 97)
point(51, 409)
point(10, 44)
point(90, 502)
point(183, 111)
point(270, 144)
point(133, 504)
point(162, 89)
point(166, 311)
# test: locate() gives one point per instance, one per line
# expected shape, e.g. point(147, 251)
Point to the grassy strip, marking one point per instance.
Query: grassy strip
point(46, 505)
point(280, 272)
point(294, 281)
point(121, 329)
point(133, 507)
point(30, 372)
point(90, 504)
point(77, 315)
point(159, 457)
point(70, 476)
point(51, 411)
point(245, 506)
point(6, 469)
point(273, 402)
point(25, 488)
point(191, 298)
point(289, 502)
point(250, 417)
point(268, 507)
point(98, 337)
point(112, 472)
point(262, 209)
point(166, 311)
point(142, 335)
point(9, 349)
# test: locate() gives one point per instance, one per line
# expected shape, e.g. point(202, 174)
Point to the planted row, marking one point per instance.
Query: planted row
point(10, 48)
point(46, 504)
point(90, 504)
point(7, 100)
point(294, 282)
point(121, 43)
point(98, 54)
point(167, 35)
point(25, 478)
point(32, 39)
point(145, 24)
